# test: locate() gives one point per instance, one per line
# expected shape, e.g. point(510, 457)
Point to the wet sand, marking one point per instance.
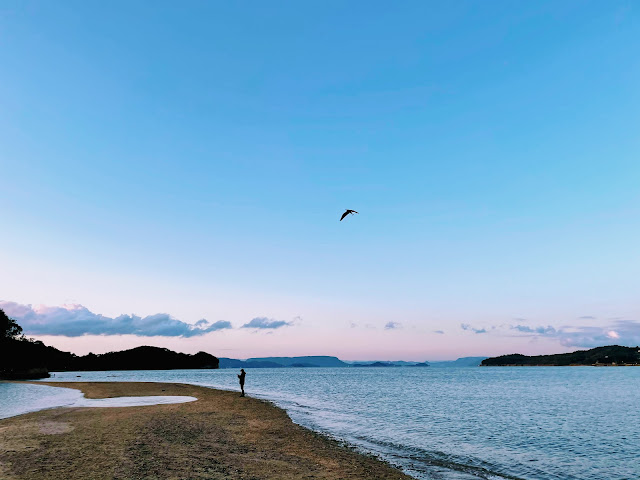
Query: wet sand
point(219, 436)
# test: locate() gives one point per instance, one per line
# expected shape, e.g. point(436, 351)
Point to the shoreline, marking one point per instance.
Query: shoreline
point(219, 436)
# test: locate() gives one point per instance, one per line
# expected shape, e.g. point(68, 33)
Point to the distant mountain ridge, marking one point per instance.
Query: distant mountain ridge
point(305, 361)
point(609, 355)
point(375, 364)
point(335, 362)
point(460, 362)
point(394, 363)
point(234, 363)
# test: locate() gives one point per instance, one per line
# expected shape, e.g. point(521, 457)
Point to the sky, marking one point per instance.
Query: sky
point(173, 174)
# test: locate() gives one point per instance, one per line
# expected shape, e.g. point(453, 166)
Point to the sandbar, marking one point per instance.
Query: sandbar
point(220, 436)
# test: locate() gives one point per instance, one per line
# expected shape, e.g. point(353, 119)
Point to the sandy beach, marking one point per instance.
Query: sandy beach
point(219, 436)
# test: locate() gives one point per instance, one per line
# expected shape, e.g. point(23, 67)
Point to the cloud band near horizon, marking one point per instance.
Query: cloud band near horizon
point(262, 323)
point(77, 320)
point(619, 332)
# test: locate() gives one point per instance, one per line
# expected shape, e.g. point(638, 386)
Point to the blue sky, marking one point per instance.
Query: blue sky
point(192, 159)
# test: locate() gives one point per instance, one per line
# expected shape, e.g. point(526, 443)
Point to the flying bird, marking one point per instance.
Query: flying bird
point(348, 212)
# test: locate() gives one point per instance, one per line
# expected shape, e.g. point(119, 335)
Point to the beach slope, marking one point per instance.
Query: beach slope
point(219, 436)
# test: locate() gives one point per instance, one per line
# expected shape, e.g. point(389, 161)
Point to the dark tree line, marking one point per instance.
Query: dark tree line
point(21, 357)
point(9, 328)
point(596, 356)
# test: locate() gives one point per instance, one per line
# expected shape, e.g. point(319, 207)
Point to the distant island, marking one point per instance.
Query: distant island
point(282, 362)
point(376, 364)
point(315, 361)
point(460, 362)
point(612, 355)
point(391, 364)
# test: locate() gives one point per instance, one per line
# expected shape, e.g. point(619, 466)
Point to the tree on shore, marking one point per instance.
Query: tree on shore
point(9, 328)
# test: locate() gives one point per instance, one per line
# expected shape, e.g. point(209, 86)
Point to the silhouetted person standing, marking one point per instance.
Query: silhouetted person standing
point(241, 377)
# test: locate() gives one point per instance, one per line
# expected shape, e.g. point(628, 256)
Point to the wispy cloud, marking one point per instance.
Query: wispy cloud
point(549, 330)
point(77, 320)
point(466, 326)
point(367, 326)
point(392, 326)
point(266, 323)
point(621, 332)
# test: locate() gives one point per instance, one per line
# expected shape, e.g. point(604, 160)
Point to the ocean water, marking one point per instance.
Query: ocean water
point(533, 423)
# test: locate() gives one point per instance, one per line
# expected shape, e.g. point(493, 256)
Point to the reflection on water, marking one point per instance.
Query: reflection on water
point(530, 423)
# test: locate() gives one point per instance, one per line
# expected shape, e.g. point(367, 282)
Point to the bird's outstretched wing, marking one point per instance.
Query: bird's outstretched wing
point(348, 212)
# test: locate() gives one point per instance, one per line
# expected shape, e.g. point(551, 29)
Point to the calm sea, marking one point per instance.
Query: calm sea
point(533, 423)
